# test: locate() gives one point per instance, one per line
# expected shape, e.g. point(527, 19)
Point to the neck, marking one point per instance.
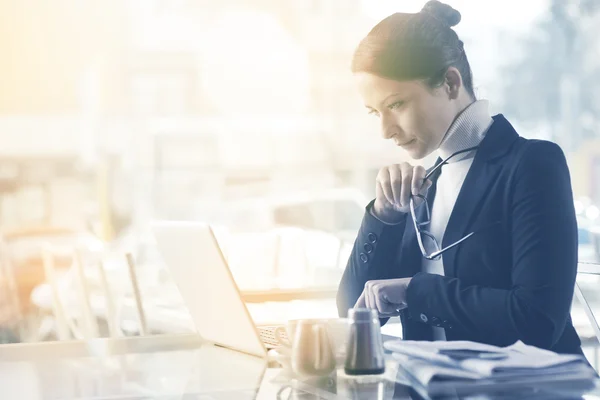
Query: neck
point(462, 103)
point(467, 130)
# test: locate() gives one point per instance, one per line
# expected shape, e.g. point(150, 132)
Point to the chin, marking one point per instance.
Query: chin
point(420, 151)
point(417, 154)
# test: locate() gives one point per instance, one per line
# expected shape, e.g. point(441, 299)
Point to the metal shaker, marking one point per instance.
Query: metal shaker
point(364, 355)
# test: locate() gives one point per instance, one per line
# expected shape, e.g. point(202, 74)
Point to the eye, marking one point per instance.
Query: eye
point(372, 111)
point(396, 105)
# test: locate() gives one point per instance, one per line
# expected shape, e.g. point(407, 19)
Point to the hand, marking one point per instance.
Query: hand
point(387, 296)
point(394, 186)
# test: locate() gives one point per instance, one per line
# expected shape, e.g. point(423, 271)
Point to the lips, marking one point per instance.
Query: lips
point(405, 143)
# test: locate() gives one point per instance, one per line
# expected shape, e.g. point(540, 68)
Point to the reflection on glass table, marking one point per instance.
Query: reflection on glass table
point(137, 367)
point(183, 367)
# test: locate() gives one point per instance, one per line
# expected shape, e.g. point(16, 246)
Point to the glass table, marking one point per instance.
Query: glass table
point(184, 367)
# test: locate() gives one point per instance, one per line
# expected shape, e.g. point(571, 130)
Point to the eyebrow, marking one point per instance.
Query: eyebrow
point(385, 100)
point(390, 96)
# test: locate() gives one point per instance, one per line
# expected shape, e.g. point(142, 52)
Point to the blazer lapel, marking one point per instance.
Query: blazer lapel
point(474, 188)
point(481, 175)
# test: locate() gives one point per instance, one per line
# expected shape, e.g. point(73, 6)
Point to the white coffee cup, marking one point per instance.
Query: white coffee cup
point(337, 329)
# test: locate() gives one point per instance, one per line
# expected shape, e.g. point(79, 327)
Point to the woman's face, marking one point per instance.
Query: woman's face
point(413, 115)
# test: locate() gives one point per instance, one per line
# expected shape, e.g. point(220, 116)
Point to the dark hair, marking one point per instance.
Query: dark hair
point(415, 46)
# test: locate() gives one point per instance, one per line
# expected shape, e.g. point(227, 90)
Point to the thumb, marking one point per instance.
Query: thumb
point(361, 302)
point(426, 185)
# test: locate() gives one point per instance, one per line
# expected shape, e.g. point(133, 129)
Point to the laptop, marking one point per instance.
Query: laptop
point(192, 254)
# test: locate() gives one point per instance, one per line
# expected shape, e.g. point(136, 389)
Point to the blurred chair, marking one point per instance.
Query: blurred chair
point(588, 300)
point(10, 310)
point(65, 330)
point(22, 270)
point(79, 319)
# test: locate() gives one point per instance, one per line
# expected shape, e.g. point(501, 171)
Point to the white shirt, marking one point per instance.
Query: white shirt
point(467, 130)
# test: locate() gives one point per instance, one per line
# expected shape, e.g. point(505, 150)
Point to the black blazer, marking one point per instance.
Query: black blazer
point(513, 280)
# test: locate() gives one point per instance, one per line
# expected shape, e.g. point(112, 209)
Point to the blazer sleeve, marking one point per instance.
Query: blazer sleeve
point(374, 256)
point(543, 231)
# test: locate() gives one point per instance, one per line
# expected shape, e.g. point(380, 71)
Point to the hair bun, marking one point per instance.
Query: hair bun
point(442, 12)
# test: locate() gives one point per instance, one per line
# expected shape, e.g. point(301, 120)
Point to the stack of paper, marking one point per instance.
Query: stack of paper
point(429, 362)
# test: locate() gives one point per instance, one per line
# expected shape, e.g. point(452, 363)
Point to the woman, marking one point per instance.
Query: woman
point(484, 246)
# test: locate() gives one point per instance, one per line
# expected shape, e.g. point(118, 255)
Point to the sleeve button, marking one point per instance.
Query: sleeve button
point(372, 237)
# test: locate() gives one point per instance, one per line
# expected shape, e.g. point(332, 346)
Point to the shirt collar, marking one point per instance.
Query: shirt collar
point(467, 130)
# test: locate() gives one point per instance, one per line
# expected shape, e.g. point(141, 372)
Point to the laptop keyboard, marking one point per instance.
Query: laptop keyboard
point(267, 335)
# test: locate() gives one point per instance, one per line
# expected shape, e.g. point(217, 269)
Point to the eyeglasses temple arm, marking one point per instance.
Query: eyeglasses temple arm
point(438, 166)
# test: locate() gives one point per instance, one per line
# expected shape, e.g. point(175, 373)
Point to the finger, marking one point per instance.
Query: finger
point(407, 172)
point(372, 299)
point(361, 302)
point(366, 293)
point(370, 296)
point(423, 192)
point(384, 182)
point(383, 304)
point(418, 182)
point(426, 186)
point(379, 194)
point(396, 183)
point(367, 296)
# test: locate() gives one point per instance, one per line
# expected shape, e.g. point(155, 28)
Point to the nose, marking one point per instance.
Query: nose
point(389, 127)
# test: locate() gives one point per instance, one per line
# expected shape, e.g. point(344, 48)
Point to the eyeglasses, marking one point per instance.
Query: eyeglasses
point(425, 238)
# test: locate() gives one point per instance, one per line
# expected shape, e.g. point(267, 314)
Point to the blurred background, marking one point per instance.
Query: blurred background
point(241, 113)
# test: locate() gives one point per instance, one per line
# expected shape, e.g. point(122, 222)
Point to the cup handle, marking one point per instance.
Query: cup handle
point(283, 389)
point(279, 336)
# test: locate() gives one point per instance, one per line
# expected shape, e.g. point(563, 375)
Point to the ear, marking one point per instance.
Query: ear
point(453, 83)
